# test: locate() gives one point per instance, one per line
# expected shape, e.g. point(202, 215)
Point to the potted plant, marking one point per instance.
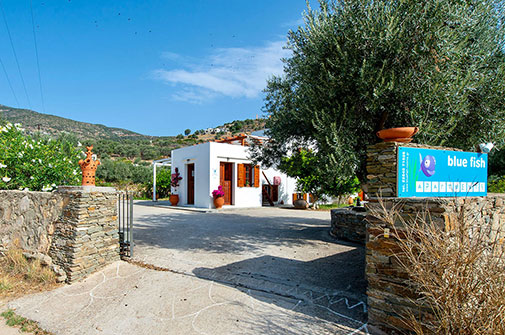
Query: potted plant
point(174, 197)
point(218, 196)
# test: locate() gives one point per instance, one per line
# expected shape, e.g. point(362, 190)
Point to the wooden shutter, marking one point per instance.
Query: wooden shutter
point(257, 176)
point(305, 196)
point(240, 175)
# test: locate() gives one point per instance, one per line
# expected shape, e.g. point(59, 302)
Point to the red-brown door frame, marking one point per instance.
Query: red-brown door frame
point(226, 181)
point(191, 184)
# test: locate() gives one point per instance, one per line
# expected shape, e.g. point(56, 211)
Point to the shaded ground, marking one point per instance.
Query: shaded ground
point(268, 271)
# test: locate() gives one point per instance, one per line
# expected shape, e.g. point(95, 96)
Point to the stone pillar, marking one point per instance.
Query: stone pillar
point(86, 235)
point(389, 294)
point(382, 167)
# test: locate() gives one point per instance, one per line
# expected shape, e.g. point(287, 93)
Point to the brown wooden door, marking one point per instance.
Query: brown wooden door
point(225, 179)
point(191, 184)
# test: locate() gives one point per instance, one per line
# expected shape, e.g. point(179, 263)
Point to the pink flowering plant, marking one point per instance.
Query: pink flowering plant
point(218, 193)
point(176, 177)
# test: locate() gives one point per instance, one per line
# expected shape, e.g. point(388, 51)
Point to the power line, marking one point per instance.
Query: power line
point(15, 55)
point(37, 56)
point(10, 84)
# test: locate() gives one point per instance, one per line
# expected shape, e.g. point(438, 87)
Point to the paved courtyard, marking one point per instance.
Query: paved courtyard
point(251, 271)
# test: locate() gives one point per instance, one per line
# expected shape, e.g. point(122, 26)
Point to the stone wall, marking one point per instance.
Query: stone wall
point(27, 219)
point(349, 223)
point(86, 235)
point(75, 226)
point(382, 167)
point(388, 292)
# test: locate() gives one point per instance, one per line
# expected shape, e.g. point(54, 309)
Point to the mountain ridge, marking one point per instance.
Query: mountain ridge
point(53, 125)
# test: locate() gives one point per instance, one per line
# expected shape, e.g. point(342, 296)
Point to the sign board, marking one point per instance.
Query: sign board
point(441, 173)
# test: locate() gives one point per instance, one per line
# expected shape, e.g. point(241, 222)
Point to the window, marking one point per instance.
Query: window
point(248, 175)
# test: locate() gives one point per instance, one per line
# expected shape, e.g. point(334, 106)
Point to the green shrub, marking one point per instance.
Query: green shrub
point(163, 179)
point(122, 170)
point(35, 164)
point(496, 184)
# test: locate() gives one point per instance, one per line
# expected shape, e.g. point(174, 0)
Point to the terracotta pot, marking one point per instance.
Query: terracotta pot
point(402, 134)
point(174, 199)
point(301, 204)
point(350, 201)
point(218, 202)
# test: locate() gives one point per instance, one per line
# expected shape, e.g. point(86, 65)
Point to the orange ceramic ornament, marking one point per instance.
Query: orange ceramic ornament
point(88, 168)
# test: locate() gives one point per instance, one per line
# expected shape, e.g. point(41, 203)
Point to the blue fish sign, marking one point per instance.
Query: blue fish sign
point(441, 173)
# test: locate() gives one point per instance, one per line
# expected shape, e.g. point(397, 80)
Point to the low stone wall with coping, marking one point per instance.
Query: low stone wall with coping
point(349, 223)
point(75, 226)
point(27, 219)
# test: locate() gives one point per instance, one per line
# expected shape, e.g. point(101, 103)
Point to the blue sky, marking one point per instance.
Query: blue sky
point(155, 67)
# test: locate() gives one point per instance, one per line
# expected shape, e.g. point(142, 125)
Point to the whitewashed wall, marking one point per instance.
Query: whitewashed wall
point(207, 158)
point(199, 155)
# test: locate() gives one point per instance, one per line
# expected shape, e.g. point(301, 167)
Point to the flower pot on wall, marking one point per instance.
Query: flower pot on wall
point(218, 202)
point(174, 199)
point(402, 134)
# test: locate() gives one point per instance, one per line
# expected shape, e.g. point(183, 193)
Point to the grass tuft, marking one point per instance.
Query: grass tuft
point(25, 325)
point(19, 276)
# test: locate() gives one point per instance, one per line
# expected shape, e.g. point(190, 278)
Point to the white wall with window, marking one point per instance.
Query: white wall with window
point(228, 165)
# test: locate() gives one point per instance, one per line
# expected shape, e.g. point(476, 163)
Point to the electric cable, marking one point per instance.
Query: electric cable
point(10, 84)
point(37, 56)
point(15, 55)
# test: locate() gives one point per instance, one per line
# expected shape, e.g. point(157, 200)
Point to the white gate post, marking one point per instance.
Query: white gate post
point(154, 182)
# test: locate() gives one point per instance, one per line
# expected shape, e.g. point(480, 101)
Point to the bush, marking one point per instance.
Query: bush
point(37, 165)
point(496, 184)
point(163, 180)
point(120, 171)
point(459, 274)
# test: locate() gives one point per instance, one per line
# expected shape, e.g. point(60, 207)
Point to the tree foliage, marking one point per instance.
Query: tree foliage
point(360, 66)
point(303, 166)
point(38, 164)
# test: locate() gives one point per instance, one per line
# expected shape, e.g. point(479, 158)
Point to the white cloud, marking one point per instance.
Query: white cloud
point(294, 23)
point(232, 72)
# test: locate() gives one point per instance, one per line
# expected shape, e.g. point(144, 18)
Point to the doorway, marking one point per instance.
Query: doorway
point(225, 180)
point(191, 184)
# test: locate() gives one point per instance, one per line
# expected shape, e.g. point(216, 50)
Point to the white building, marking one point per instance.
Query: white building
point(205, 166)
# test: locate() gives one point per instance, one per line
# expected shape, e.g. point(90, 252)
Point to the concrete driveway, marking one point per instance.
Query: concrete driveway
point(256, 271)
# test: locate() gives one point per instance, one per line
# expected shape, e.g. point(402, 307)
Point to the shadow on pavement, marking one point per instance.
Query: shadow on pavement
point(225, 233)
point(331, 287)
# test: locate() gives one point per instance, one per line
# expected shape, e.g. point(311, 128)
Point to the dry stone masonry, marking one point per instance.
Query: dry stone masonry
point(86, 235)
point(388, 291)
point(27, 219)
point(382, 167)
point(73, 230)
point(389, 295)
point(349, 223)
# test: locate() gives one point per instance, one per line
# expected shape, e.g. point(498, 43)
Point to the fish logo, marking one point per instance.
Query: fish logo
point(427, 165)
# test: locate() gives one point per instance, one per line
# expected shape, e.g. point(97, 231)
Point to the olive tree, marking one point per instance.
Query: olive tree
point(358, 66)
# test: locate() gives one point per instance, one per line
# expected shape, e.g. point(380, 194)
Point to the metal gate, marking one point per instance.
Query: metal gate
point(125, 223)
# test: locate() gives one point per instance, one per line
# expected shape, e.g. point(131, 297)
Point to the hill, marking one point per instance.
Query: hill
point(54, 125)
point(120, 143)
